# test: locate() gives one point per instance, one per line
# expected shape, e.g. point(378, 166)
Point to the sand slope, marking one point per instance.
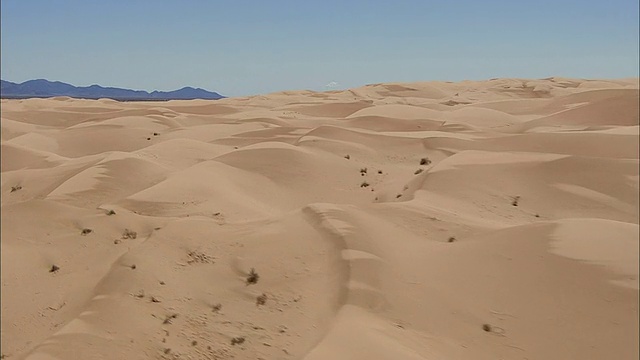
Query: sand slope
point(475, 220)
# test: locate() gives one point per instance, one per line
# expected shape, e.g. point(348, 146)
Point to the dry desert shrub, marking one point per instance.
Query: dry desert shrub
point(253, 277)
point(237, 340)
point(198, 257)
point(168, 318)
point(129, 234)
point(515, 201)
point(261, 300)
point(425, 161)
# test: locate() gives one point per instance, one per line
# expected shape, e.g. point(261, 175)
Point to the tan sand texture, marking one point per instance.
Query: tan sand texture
point(473, 220)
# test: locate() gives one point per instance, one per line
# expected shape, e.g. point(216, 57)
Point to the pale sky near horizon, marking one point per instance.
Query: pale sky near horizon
point(249, 47)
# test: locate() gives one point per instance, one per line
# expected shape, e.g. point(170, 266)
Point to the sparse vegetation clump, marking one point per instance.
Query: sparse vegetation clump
point(86, 231)
point(451, 239)
point(418, 171)
point(261, 300)
point(425, 161)
point(237, 340)
point(364, 184)
point(379, 171)
point(111, 212)
point(363, 171)
point(198, 257)
point(129, 234)
point(253, 277)
point(54, 268)
point(217, 307)
point(168, 318)
point(486, 327)
point(347, 157)
point(16, 188)
point(515, 201)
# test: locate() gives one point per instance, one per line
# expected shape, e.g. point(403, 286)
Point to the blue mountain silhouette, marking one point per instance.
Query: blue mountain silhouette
point(44, 88)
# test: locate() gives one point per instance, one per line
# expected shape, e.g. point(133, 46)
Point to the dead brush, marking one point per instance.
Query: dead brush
point(253, 277)
point(169, 318)
point(261, 300)
point(129, 234)
point(515, 201)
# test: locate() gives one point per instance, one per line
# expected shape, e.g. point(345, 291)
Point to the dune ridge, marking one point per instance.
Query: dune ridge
point(428, 220)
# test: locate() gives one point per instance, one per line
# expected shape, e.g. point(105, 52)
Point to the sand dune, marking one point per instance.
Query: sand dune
point(490, 219)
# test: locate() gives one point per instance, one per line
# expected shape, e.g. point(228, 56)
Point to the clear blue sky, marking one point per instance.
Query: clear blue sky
point(242, 47)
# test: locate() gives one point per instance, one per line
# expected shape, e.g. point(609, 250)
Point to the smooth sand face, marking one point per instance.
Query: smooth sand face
point(516, 239)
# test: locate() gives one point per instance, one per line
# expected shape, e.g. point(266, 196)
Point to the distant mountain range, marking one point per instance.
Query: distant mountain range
point(44, 88)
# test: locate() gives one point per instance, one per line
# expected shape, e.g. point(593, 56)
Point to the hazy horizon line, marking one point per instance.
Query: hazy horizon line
point(327, 89)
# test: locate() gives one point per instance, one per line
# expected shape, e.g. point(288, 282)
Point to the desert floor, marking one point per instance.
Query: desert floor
point(434, 220)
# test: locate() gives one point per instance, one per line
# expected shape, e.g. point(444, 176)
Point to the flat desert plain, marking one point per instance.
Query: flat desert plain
point(435, 220)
